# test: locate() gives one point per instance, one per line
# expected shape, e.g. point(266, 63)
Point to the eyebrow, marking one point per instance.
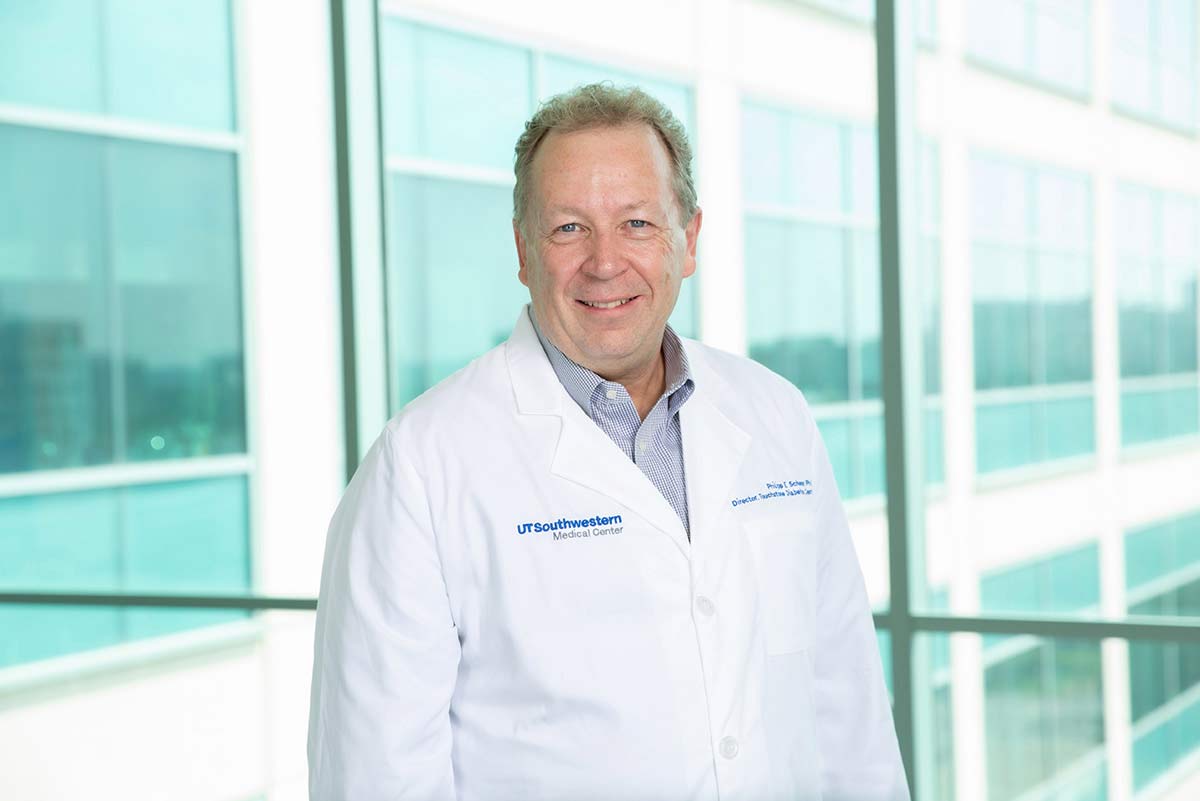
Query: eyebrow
point(637, 204)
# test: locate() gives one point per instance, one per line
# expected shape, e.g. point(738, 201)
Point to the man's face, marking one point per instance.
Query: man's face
point(603, 250)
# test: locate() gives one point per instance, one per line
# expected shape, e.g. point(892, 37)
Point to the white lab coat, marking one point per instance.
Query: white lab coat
point(459, 659)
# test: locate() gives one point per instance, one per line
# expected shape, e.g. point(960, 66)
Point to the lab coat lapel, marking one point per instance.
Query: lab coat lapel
point(583, 454)
point(714, 448)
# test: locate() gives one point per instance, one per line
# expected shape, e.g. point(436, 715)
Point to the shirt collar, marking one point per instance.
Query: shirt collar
point(581, 383)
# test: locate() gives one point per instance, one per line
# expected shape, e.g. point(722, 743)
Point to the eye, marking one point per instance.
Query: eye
point(568, 228)
point(638, 224)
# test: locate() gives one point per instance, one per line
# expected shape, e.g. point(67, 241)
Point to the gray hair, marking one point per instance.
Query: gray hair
point(601, 105)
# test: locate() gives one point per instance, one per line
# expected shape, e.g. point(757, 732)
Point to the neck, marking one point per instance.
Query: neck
point(645, 385)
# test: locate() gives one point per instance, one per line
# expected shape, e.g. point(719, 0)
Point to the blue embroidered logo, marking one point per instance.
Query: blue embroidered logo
point(777, 489)
point(568, 528)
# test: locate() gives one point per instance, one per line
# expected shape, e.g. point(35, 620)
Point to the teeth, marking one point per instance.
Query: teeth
point(614, 304)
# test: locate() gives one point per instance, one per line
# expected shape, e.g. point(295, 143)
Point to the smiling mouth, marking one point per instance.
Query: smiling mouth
point(605, 304)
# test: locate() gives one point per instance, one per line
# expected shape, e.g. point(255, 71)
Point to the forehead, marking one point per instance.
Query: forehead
point(602, 159)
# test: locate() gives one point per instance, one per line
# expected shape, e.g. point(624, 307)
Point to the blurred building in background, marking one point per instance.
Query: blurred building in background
point(173, 413)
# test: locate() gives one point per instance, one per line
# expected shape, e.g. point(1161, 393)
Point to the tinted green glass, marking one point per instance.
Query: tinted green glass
point(1069, 427)
point(179, 537)
point(685, 318)
point(189, 537)
point(792, 267)
point(32, 633)
point(164, 62)
point(69, 542)
point(66, 76)
point(160, 224)
point(171, 62)
point(433, 267)
point(438, 104)
point(868, 311)
point(1066, 310)
point(1004, 435)
point(935, 447)
point(1044, 711)
point(1165, 691)
point(764, 155)
point(56, 323)
point(836, 435)
point(1003, 317)
point(1143, 335)
point(175, 262)
point(1154, 414)
point(872, 453)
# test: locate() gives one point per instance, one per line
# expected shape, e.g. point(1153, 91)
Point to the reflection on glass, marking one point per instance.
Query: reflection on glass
point(1154, 57)
point(179, 537)
point(162, 62)
point(1041, 721)
point(1158, 266)
point(453, 107)
point(120, 302)
point(1031, 272)
point(1045, 41)
point(812, 279)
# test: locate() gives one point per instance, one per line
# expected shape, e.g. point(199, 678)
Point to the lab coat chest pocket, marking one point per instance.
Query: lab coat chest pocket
point(785, 563)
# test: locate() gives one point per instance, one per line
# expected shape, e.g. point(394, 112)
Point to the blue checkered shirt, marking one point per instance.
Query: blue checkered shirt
point(655, 444)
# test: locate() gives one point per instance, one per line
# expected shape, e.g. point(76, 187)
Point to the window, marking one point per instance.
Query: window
point(812, 278)
point(1154, 60)
point(1163, 578)
point(1158, 265)
point(120, 316)
point(1044, 41)
point(1031, 268)
point(453, 107)
point(925, 20)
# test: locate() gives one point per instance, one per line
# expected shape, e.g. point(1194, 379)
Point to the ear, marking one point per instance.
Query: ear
point(522, 271)
point(692, 232)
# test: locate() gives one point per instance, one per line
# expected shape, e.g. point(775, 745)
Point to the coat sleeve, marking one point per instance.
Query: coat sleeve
point(386, 650)
point(859, 752)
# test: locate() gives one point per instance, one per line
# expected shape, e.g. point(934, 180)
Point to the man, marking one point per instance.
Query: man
point(599, 562)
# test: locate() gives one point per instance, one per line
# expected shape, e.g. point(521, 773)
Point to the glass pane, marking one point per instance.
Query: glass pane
point(997, 32)
point(429, 263)
point(1029, 711)
point(56, 324)
point(171, 538)
point(175, 261)
point(809, 348)
point(66, 76)
point(171, 62)
point(1003, 317)
point(165, 62)
point(815, 167)
point(765, 155)
point(436, 105)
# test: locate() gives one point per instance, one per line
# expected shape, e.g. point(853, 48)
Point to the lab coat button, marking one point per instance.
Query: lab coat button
point(729, 747)
point(706, 606)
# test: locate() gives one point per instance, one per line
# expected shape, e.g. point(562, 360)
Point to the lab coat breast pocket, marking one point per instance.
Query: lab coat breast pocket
point(785, 561)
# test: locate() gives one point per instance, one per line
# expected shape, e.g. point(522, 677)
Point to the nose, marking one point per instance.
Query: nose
point(604, 259)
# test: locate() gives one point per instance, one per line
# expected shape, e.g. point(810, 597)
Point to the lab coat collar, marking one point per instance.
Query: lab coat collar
point(713, 446)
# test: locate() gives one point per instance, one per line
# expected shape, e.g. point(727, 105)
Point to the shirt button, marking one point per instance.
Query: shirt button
point(642, 447)
point(611, 394)
point(729, 747)
point(706, 607)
